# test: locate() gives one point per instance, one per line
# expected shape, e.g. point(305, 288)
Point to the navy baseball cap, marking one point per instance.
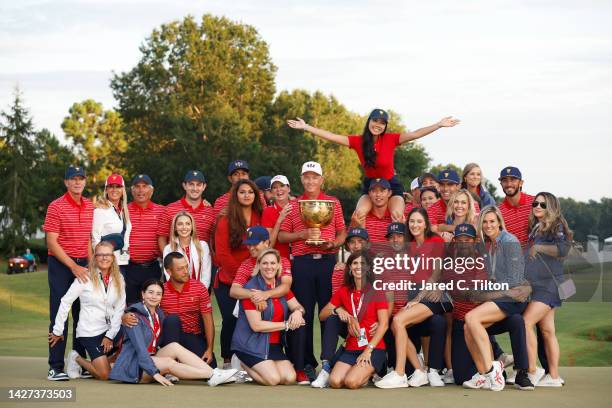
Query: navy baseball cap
point(358, 232)
point(263, 182)
point(74, 171)
point(379, 114)
point(142, 178)
point(237, 165)
point(194, 175)
point(466, 230)
point(381, 182)
point(255, 235)
point(425, 175)
point(396, 228)
point(449, 176)
point(510, 172)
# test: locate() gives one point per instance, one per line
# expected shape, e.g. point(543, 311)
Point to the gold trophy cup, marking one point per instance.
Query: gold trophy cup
point(316, 214)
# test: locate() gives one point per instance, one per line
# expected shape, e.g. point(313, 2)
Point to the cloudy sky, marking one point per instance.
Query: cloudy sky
point(531, 80)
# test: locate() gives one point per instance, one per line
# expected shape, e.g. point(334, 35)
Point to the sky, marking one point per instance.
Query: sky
point(530, 80)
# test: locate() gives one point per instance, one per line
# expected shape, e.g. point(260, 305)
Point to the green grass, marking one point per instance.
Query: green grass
point(584, 329)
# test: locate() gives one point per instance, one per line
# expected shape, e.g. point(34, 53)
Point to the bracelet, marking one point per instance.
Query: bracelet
point(286, 325)
point(370, 346)
point(335, 311)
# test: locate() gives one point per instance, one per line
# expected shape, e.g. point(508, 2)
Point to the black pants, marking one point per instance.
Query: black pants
point(60, 279)
point(226, 307)
point(334, 329)
point(434, 327)
point(463, 364)
point(296, 340)
point(312, 287)
point(173, 333)
point(135, 275)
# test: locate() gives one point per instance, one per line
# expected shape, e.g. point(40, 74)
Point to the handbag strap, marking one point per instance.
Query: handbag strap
point(548, 269)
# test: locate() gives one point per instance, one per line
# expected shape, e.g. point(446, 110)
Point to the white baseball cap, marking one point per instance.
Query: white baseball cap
point(414, 184)
point(312, 166)
point(280, 178)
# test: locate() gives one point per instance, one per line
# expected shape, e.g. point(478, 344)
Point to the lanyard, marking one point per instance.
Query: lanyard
point(153, 323)
point(356, 312)
point(105, 284)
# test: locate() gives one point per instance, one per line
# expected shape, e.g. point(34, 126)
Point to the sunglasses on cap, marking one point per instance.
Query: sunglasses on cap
point(542, 204)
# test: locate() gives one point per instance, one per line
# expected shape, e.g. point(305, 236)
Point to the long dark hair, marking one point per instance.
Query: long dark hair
point(235, 217)
point(428, 232)
point(367, 276)
point(367, 145)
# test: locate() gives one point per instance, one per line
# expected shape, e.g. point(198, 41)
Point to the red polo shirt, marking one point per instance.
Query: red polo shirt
point(293, 223)
point(203, 215)
point(268, 219)
point(73, 222)
point(143, 238)
point(337, 279)
point(277, 317)
point(228, 258)
point(188, 304)
point(462, 307)
point(377, 226)
point(245, 270)
point(222, 201)
point(385, 150)
point(517, 217)
point(408, 208)
point(437, 212)
point(433, 247)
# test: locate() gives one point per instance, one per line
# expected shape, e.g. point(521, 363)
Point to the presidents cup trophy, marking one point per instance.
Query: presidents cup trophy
point(316, 214)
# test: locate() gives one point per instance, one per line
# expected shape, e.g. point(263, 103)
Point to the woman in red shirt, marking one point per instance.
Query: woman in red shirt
point(360, 306)
point(243, 211)
point(375, 149)
point(427, 307)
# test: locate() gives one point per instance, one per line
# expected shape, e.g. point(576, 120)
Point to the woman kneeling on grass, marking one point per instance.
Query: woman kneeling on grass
point(140, 360)
point(360, 306)
point(102, 299)
point(259, 336)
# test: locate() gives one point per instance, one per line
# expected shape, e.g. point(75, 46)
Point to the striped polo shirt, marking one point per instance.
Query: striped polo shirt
point(293, 223)
point(72, 222)
point(437, 212)
point(517, 217)
point(203, 215)
point(143, 238)
point(188, 304)
point(377, 227)
point(245, 270)
point(337, 279)
point(269, 217)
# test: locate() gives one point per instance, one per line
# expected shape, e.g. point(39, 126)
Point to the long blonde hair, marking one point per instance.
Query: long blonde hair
point(265, 252)
point(470, 217)
point(114, 269)
point(500, 218)
point(174, 238)
point(552, 216)
point(102, 201)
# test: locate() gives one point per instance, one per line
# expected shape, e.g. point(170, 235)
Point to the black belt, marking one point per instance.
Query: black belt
point(316, 256)
point(77, 260)
point(145, 264)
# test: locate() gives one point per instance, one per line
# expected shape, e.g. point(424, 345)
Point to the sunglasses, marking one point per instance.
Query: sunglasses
point(542, 204)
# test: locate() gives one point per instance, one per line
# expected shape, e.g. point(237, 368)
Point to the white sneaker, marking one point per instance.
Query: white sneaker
point(448, 376)
point(392, 380)
point(418, 378)
point(73, 369)
point(548, 381)
point(235, 362)
point(434, 378)
point(496, 376)
point(421, 358)
point(536, 376)
point(510, 375)
point(322, 380)
point(506, 359)
point(242, 377)
point(221, 376)
point(477, 381)
point(172, 378)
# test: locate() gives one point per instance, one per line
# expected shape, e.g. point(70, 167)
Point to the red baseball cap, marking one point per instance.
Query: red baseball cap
point(114, 179)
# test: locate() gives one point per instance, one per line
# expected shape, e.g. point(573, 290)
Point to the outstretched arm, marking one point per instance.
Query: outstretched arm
point(299, 123)
point(448, 121)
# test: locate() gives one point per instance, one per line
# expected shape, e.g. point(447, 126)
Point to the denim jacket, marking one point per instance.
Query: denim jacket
point(540, 271)
point(505, 263)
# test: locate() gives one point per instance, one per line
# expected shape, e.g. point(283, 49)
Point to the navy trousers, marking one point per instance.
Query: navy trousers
point(135, 274)
point(435, 328)
point(173, 333)
point(226, 307)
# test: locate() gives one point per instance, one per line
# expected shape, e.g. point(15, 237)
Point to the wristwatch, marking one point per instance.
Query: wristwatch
point(371, 347)
point(335, 311)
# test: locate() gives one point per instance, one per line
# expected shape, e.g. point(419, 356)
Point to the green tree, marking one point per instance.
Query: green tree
point(18, 158)
point(196, 99)
point(98, 138)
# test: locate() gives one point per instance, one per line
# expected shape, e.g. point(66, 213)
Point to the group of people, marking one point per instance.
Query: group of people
point(139, 278)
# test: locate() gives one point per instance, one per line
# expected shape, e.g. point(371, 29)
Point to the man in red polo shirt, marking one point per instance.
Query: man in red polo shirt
point(68, 226)
point(194, 185)
point(379, 217)
point(448, 184)
point(188, 310)
point(516, 205)
point(312, 266)
point(273, 215)
point(144, 252)
point(237, 170)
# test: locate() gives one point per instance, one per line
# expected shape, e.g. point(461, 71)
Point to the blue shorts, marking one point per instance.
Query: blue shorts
point(378, 358)
point(275, 353)
point(439, 307)
point(548, 298)
point(511, 308)
point(397, 188)
point(93, 346)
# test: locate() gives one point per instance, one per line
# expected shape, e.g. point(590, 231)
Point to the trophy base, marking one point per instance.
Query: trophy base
point(315, 242)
